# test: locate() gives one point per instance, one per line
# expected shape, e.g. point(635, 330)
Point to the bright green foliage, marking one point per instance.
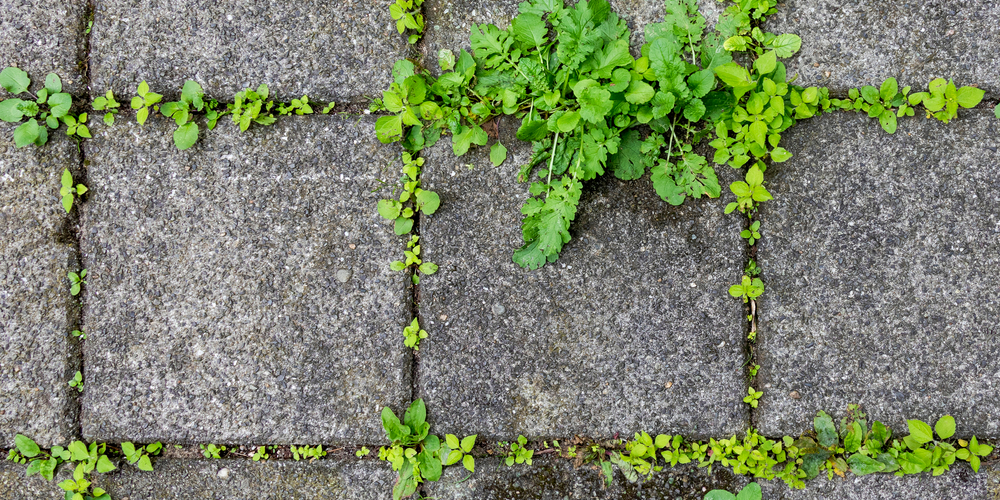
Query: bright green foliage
point(412, 255)
point(314, 452)
point(411, 198)
point(417, 455)
point(44, 113)
point(297, 106)
point(192, 99)
point(143, 101)
point(14, 80)
point(749, 193)
point(751, 234)
point(328, 108)
point(80, 334)
point(751, 269)
point(943, 99)
point(261, 453)
point(76, 125)
point(44, 463)
point(518, 452)
point(753, 397)
point(407, 15)
point(252, 107)
point(455, 451)
point(753, 369)
point(751, 491)
point(996, 111)
point(139, 456)
point(68, 191)
point(76, 281)
point(747, 289)
point(212, 451)
point(109, 104)
point(413, 334)
point(364, 451)
point(77, 381)
point(888, 102)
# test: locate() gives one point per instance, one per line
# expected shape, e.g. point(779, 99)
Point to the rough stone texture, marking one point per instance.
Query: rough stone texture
point(960, 482)
point(328, 50)
point(879, 255)
point(215, 313)
point(863, 42)
point(43, 36)
point(242, 479)
point(14, 486)
point(558, 480)
point(589, 344)
point(37, 311)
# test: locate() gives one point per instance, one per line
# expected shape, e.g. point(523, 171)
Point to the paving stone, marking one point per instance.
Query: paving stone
point(632, 329)
point(864, 42)
point(242, 479)
point(14, 486)
point(214, 311)
point(329, 50)
point(558, 480)
point(879, 255)
point(37, 311)
point(960, 482)
point(43, 36)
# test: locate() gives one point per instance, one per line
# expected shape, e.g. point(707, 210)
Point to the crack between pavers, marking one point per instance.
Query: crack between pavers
point(753, 310)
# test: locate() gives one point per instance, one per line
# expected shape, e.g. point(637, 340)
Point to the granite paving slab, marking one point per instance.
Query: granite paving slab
point(240, 291)
point(879, 255)
point(632, 329)
point(42, 36)
point(863, 42)
point(559, 479)
point(960, 482)
point(336, 51)
point(14, 486)
point(37, 311)
point(181, 479)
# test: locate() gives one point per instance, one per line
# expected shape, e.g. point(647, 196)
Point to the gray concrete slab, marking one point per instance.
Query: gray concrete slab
point(863, 42)
point(37, 311)
point(878, 254)
point(241, 479)
point(558, 480)
point(43, 36)
point(215, 313)
point(960, 482)
point(336, 51)
point(14, 486)
point(632, 329)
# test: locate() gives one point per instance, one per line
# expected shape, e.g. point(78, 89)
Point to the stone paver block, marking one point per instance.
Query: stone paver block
point(558, 480)
point(329, 50)
point(632, 329)
point(37, 311)
point(181, 479)
point(43, 36)
point(879, 257)
point(864, 42)
point(14, 486)
point(240, 290)
point(960, 482)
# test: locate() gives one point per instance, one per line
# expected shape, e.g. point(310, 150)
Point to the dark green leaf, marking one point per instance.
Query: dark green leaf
point(825, 430)
point(629, 163)
point(27, 133)
point(862, 465)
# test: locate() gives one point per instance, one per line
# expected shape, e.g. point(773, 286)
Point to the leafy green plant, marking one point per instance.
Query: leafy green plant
point(407, 15)
point(518, 452)
point(455, 451)
point(50, 106)
point(411, 198)
point(139, 456)
point(192, 99)
point(747, 289)
point(107, 103)
point(364, 451)
point(311, 452)
point(751, 491)
point(751, 234)
point(77, 381)
point(76, 125)
point(252, 107)
point(754, 368)
point(413, 334)
point(750, 192)
point(298, 106)
point(329, 107)
point(212, 451)
point(42, 462)
point(261, 453)
point(753, 397)
point(80, 334)
point(76, 281)
point(751, 269)
point(943, 99)
point(414, 453)
point(68, 191)
point(996, 111)
point(144, 101)
point(412, 255)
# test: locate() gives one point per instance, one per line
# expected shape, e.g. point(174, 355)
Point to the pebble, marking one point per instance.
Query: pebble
point(343, 275)
point(443, 317)
point(794, 395)
point(498, 309)
point(223, 473)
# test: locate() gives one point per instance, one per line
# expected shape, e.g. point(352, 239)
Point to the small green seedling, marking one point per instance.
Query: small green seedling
point(411, 199)
point(310, 453)
point(752, 234)
point(747, 289)
point(456, 450)
point(68, 190)
point(139, 456)
point(754, 369)
point(364, 451)
point(252, 107)
point(751, 491)
point(77, 381)
point(750, 192)
point(297, 106)
point(328, 108)
point(943, 99)
point(751, 269)
point(407, 15)
point(519, 453)
point(752, 397)
point(413, 335)
point(76, 281)
point(109, 104)
point(413, 259)
point(212, 451)
point(144, 101)
point(261, 454)
point(191, 100)
point(80, 334)
point(77, 125)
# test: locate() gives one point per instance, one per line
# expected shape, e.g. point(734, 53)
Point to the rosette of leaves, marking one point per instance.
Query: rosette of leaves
point(68, 191)
point(192, 100)
point(414, 453)
point(458, 451)
point(107, 103)
point(50, 107)
point(144, 101)
point(413, 334)
point(251, 106)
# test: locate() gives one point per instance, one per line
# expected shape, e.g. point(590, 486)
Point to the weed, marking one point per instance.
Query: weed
point(413, 334)
point(751, 491)
point(212, 451)
point(518, 452)
point(143, 101)
point(412, 255)
point(261, 453)
point(44, 463)
point(68, 191)
point(411, 199)
point(407, 15)
point(76, 281)
point(309, 452)
point(139, 456)
point(753, 397)
point(752, 234)
point(364, 451)
point(747, 289)
point(80, 334)
point(77, 381)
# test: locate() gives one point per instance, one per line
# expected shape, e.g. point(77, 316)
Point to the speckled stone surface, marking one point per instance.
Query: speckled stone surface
point(14, 486)
point(632, 329)
point(180, 479)
point(863, 42)
point(43, 36)
point(959, 482)
point(558, 480)
point(215, 313)
point(336, 51)
point(37, 311)
point(879, 254)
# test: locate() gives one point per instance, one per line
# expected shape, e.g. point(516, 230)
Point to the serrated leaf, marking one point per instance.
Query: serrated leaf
point(14, 80)
point(786, 45)
point(701, 82)
point(595, 103)
point(388, 129)
point(920, 431)
point(945, 427)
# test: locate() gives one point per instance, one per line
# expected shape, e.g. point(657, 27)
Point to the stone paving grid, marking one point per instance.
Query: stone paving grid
point(872, 39)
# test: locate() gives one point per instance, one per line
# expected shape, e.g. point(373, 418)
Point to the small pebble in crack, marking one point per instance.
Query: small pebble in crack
point(343, 275)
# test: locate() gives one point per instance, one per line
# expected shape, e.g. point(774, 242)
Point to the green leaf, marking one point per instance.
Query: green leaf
point(945, 427)
point(104, 465)
point(758, 133)
point(969, 97)
point(719, 495)
point(766, 63)
point(780, 155)
point(428, 268)
point(391, 424)
point(870, 94)
point(468, 442)
point(996, 111)
point(825, 430)
point(888, 121)
point(529, 29)
point(888, 90)
point(9, 111)
point(402, 226)
point(862, 465)
point(415, 415)
point(388, 129)
point(192, 94)
point(467, 136)
point(751, 491)
point(109, 119)
point(611, 56)
point(640, 92)
point(389, 209)
point(595, 103)
point(144, 464)
point(786, 45)
point(78, 451)
point(498, 154)
point(737, 77)
point(568, 121)
point(694, 110)
point(186, 135)
point(26, 446)
point(701, 82)
point(142, 114)
point(52, 83)
point(26, 133)
point(469, 463)
point(14, 80)
point(629, 162)
point(920, 432)
point(852, 441)
point(452, 441)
